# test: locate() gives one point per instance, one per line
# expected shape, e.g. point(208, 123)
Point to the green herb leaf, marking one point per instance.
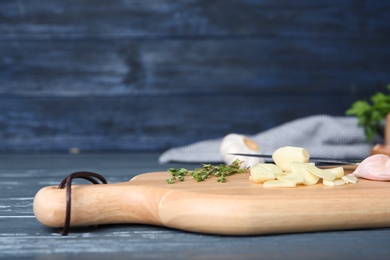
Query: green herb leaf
point(371, 114)
point(201, 174)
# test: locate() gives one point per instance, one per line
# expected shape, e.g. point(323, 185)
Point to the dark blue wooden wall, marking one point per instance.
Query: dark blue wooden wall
point(111, 75)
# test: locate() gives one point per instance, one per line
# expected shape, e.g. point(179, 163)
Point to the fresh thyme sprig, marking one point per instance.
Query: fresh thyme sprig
point(200, 174)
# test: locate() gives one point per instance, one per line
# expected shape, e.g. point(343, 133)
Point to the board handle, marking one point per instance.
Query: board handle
point(99, 204)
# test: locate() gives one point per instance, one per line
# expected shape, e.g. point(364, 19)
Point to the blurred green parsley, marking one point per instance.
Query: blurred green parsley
point(371, 114)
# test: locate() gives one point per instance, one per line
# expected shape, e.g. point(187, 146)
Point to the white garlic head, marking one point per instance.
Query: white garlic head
point(236, 143)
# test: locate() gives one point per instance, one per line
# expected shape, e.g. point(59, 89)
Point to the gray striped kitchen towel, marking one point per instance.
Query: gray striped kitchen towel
point(321, 135)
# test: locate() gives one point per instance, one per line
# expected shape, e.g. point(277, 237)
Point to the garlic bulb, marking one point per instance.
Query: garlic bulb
point(236, 143)
point(375, 167)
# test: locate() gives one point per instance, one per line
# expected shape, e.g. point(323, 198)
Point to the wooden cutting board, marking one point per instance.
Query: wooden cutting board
point(237, 207)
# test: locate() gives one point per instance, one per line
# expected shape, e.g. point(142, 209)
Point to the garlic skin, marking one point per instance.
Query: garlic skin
point(375, 167)
point(236, 143)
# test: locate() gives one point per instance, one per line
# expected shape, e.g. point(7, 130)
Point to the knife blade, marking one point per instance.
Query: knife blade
point(312, 159)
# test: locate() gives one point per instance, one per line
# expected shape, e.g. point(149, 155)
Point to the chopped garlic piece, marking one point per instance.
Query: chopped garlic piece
point(337, 171)
point(308, 177)
point(350, 178)
point(291, 176)
point(326, 175)
point(279, 184)
point(271, 167)
point(333, 183)
point(260, 174)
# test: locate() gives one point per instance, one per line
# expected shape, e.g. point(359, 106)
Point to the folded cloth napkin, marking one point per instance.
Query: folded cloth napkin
point(321, 135)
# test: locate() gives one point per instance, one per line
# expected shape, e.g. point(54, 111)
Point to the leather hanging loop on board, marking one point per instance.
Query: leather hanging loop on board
point(67, 182)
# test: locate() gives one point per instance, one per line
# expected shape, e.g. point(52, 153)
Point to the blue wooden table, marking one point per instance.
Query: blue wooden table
point(21, 236)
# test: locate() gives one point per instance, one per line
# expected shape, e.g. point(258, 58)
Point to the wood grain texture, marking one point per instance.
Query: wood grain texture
point(154, 68)
point(144, 123)
point(83, 19)
point(206, 67)
point(237, 207)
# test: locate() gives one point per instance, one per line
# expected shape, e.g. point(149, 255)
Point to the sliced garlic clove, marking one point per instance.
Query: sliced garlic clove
point(333, 183)
point(271, 167)
point(279, 184)
point(291, 176)
point(350, 178)
point(326, 175)
point(260, 174)
point(302, 169)
point(337, 171)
